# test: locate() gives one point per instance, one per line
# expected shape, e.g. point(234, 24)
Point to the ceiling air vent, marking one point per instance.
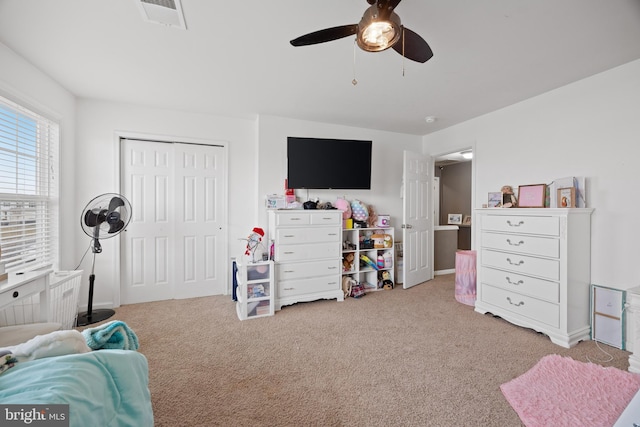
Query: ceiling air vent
point(165, 12)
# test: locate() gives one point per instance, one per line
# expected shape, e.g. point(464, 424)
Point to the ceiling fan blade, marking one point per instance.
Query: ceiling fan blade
point(413, 47)
point(326, 35)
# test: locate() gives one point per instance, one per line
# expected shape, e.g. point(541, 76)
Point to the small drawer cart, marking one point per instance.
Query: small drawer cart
point(255, 290)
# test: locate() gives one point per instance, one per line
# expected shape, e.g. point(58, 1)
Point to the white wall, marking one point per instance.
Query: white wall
point(590, 128)
point(98, 124)
point(386, 163)
point(23, 83)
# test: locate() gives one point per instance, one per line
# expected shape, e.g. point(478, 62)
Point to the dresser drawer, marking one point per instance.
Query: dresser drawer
point(293, 218)
point(524, 244)
point(296, 270)
point(543, 225)
point(307, 235)
point(289, 288)
point(532, 308)
point(538, 288)
point(306, 252)
point(524, 264)
point(24, 290)
point(327, 218)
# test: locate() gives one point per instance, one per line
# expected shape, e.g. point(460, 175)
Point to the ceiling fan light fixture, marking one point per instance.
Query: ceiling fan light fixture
point(376, 34)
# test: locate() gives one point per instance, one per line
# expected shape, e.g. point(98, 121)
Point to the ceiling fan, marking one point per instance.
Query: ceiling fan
point(378, 30)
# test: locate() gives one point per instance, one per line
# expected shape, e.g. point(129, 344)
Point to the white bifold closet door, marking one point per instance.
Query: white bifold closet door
point(173, 246)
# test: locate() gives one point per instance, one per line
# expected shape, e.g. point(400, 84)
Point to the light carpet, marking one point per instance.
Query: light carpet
point(560, 391)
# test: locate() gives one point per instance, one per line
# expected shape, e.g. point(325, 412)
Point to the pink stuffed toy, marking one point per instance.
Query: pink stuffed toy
point(345, 207)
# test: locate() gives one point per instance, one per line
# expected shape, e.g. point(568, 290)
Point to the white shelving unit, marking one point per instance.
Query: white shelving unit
point(365, 241)
point(255, 290)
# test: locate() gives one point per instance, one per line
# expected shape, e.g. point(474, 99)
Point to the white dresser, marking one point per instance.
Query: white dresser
point(534, 269)
point(307, 255)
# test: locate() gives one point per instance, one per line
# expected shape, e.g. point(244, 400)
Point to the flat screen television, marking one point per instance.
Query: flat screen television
point(340, 164)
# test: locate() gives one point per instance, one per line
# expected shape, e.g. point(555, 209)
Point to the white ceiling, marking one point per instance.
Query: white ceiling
point(235, 59)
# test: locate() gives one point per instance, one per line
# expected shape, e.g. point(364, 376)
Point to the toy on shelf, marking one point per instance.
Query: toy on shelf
point(347, 285)
point(368, 261)
point(385, 280)
point(347, 261)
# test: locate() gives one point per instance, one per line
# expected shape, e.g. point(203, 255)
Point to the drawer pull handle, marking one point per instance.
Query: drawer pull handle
point(289, 253)
point(515, 263)
point(289, 271)
point(332, 234)
point(289, 235)
point(515, 225)
point(289, 289)
point(519, 282)
point(332, 268)
point(521, 242)
point(512, 303)
point(15, 294)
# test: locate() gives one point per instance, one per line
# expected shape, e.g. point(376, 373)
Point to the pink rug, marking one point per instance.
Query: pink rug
point(560, 391)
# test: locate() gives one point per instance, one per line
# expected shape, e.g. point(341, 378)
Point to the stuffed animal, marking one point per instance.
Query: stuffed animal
point(345, 207)
point(359, 211)
point(508, 198)
point(347, 285)
point(387, 283)
point(373, 217)
point(347, 261)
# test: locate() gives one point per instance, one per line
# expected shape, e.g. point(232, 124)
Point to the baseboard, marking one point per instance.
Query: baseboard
point(443, 272)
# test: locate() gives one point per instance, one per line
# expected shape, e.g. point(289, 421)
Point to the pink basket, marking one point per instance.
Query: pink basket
point(466, 277)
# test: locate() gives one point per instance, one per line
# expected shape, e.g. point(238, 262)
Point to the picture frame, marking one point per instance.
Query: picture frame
point(567, 197)
point(532, 196)
point(495, 199)
point(454, 219)
point(466, 220)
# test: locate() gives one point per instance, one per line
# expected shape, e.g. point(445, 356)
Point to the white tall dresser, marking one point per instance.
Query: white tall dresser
point(307, 255)
point(534, 269)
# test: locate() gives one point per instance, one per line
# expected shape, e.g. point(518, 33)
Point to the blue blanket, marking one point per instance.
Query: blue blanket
point(114, 335)
point(108, 388)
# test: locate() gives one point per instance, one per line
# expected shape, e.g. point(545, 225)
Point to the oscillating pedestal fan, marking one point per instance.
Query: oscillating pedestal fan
point(105, 216)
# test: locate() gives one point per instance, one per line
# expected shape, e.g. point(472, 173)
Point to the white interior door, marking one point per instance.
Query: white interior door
point(417, 224)
point(173, 246)
point(199, 240)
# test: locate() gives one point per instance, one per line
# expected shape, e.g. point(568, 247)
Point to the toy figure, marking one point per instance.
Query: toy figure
point(508, 198)
point(387, 284)
point(253, 241)
point(347, 262)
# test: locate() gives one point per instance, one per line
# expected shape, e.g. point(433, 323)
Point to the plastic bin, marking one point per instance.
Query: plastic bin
point(465, 289)
point(64, 288)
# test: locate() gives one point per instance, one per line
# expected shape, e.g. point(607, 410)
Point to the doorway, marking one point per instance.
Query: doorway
point(175, 244)
point(453, 208)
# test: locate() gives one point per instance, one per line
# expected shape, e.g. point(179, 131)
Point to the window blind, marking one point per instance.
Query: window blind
point(28, 187)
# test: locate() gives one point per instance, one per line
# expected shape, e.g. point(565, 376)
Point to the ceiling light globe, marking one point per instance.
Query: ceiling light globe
point(376, 34)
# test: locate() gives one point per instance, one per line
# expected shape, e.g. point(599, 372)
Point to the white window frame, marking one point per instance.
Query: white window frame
point(29, 172)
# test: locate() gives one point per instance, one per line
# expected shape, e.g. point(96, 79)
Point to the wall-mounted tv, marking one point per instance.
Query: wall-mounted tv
point(340, 164)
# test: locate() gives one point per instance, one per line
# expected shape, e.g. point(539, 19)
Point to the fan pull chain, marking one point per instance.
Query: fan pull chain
point(403, 57)
point(354, 81)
